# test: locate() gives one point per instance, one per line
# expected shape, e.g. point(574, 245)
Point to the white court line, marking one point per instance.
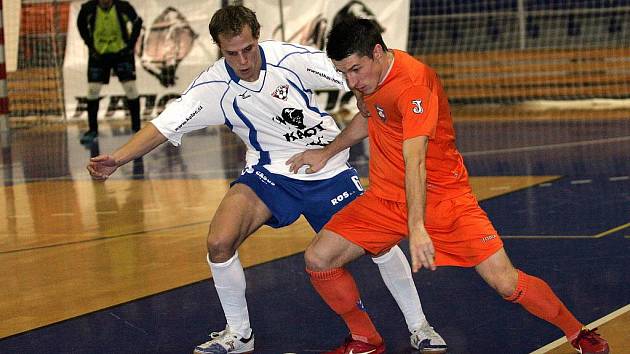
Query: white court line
point(547, 147)
point(500, 188)
point(620, 178)
point(77, 176)
point(581, 181)
point(599, 235)
point(558, 342)
point(551, 237)
point(107, 212)
point(157, 210)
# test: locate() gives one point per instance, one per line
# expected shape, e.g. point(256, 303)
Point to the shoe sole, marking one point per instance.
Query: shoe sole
point(246, 352)
point(432, 351)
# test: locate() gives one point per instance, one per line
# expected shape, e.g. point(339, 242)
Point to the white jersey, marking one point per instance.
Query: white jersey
point(276, 116)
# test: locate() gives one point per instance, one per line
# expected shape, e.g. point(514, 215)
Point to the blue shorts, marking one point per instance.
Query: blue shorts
point(288, 198)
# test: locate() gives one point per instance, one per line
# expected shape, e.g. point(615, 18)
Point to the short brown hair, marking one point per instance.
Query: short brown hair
point(230, 21)
point(354, 36)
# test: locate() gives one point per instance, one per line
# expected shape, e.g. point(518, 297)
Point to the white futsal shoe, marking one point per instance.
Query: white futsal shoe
point(427, 340)
point(225, 342)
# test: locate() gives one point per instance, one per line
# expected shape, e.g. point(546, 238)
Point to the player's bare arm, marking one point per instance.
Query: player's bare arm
point(420, 244)
point(147, 139)
point(316, 159)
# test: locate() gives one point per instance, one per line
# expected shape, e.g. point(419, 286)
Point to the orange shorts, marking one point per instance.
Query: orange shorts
point(460, 230)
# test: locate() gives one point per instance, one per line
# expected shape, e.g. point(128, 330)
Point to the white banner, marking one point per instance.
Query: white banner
point(169, 22)
point(175, 39)
point(308, 23)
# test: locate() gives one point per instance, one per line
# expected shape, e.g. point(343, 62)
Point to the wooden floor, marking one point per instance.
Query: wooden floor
point(615, 328)
point(79, 246)
point(70, 246)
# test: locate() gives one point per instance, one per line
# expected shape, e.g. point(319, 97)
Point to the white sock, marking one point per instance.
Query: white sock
point(229, 280)
point(396, 273)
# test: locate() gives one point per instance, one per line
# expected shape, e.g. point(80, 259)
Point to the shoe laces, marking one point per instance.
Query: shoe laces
point(222, 334)
point(426, 331)
point(588, 335)
point(216, 335)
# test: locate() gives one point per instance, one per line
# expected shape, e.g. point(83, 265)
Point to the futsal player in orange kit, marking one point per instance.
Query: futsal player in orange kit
point(418, 189)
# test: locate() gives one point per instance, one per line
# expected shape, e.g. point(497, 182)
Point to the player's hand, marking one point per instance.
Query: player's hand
point(421, 249)
point(315, 160)
point(101, 167)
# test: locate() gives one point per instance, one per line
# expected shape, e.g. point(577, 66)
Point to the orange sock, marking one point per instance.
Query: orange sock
point(536, 296)
point(338, 289)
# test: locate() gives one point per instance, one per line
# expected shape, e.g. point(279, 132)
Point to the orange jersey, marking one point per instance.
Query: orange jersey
point(409, 103)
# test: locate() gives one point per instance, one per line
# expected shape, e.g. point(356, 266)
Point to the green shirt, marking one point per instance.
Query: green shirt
point(107, 35)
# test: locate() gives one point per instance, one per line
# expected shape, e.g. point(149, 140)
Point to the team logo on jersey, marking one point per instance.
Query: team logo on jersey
point(281, 92)
point(381, 112)
point(292, 116)
point(417, 106)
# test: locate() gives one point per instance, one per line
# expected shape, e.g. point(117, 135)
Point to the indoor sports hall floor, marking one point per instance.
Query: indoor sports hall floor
point(118, 267)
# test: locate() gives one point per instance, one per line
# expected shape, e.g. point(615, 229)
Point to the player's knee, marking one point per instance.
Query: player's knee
point(316, 260)
point(220, 247)
point(505, 283)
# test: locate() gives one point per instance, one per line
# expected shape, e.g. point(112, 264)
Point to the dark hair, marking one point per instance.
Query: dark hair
point(354, 36)
point(230, 21)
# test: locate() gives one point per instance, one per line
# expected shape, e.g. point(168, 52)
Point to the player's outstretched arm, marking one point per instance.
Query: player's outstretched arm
point(316, 159)
point(147, 139)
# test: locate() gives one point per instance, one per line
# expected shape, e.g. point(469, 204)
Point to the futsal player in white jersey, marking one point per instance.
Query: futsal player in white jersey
point(264, 92)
